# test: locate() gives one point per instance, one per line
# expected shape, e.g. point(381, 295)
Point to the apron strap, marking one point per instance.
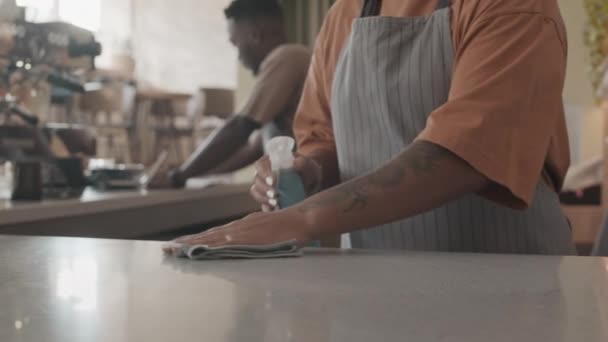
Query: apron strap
point(443, 4)
point(371, 8)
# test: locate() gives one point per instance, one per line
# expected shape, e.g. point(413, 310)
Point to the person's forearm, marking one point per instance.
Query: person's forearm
point(327, 159)
point(423, 177)
point(244, 157)
point(222, 144)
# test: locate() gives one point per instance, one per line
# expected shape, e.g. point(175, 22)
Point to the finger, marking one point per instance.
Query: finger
point(235, 233)
point(230, 236)
point(259, 197)
point(212, 239)
point(188, 239)
point(185, 238)
point(171, 248)
point(264, 171)
point(266, 208)
point(263, 189)
point(175, 250)
point(270, 197)
point(263, 167)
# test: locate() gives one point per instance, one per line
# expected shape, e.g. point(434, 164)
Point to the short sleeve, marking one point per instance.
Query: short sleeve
point(313, 122)
point(505, 103)
point(275, 88)
point(313, 125)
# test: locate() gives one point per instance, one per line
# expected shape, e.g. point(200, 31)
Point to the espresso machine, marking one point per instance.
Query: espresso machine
point(41, 65)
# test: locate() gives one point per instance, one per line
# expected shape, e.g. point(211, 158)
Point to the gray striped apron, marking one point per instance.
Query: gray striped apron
point(392, 73)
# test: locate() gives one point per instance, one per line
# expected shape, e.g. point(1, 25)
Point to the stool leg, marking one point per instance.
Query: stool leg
point(176, 144)
point(127, 146)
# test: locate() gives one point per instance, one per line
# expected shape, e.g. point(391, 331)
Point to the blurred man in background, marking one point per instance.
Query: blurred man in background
point(257, 30)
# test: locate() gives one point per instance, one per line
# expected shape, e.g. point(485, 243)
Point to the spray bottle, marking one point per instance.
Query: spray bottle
point(289, 183)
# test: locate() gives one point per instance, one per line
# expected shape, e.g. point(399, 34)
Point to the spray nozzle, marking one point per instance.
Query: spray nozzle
point(280, 151)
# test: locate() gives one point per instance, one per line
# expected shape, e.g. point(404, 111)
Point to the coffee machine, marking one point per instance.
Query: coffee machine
point(42, 64)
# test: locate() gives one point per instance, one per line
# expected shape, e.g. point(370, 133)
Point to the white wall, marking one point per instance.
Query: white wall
point(178, 45)
point(183, 44)
point(585, 125)
point(116, 29)
point(578, 85)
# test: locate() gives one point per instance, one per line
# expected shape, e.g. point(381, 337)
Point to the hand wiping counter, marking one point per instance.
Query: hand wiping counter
point(291, 191)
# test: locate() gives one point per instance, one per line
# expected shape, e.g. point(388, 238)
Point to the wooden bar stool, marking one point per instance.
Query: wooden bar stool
point(176, 119)
point(111, 111)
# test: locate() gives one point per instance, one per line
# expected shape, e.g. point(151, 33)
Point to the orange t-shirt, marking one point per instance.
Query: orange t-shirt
point(504, 114)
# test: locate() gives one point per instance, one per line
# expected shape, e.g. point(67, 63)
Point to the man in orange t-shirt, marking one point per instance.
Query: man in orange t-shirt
point(432, 125)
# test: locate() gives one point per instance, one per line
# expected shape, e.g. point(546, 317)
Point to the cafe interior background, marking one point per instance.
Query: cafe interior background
point(167, 75)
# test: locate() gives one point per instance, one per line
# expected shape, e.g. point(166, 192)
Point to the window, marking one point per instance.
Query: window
point(39, 10)
point(82, 13)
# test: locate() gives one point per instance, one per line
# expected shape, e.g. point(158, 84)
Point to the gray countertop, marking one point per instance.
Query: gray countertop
point(68, 290)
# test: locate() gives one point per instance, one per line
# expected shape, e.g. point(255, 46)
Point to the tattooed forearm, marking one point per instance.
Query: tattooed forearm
point(419, 159)
point(424, 157)
point(358, 201)
point(354, 195)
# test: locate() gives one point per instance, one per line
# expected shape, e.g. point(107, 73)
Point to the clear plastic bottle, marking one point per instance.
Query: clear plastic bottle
point(289, 182)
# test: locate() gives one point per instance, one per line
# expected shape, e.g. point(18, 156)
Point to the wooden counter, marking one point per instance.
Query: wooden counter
point(125, 215)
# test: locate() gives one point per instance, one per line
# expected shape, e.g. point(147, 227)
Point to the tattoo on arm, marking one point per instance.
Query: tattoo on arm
point(419, 159)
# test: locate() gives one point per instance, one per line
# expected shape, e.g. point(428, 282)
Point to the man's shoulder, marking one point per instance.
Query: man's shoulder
point(489, 9)
point(290, 52)
point(470, 12)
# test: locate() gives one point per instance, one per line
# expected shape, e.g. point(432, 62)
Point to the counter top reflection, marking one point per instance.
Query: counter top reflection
point(68, 290)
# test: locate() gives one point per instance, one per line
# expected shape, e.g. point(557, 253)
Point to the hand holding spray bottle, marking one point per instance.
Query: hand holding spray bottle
point(290, 186)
